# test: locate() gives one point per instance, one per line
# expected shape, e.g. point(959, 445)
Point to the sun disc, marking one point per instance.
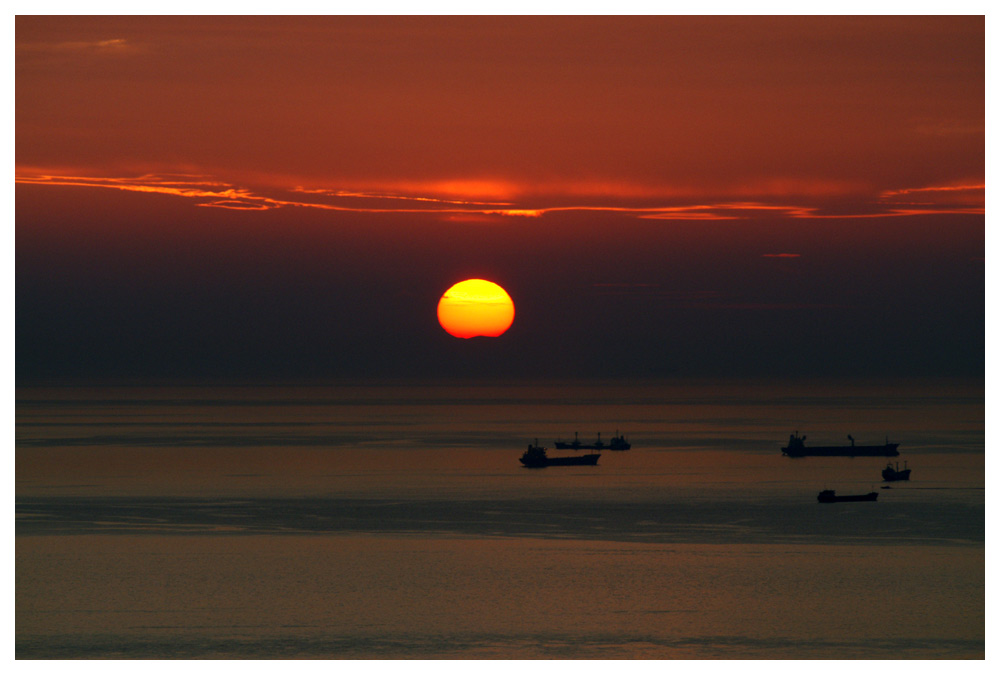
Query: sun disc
point(474, 308)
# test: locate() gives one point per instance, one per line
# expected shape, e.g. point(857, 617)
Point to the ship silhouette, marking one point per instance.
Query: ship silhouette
point(618, 442)
point(797, 448)
point(831, 496)
point(536, 457)
point(890, 474)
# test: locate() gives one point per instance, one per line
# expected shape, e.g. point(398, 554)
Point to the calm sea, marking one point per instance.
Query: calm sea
point(395, 522)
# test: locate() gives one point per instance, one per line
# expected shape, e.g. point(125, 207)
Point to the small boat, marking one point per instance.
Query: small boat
point(535, 457)
point(891, 474)
point(830, 496)
point(617, 443)
point(797, 448)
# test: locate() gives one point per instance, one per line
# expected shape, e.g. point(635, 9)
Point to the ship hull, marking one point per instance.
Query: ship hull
point(830, 498)
point(887, 450)
point(890, 476)
point(582, 460)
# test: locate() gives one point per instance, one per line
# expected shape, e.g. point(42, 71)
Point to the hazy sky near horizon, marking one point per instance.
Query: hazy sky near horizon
point(288, 197)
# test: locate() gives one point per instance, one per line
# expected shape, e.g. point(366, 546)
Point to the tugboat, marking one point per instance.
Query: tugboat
point(535, 457)
point(890, 474)
point(617, 443)
point(797, 448)
point(830, 496)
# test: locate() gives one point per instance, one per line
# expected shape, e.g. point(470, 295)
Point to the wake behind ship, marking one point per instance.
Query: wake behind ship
point(797, 448)
point(535, 457)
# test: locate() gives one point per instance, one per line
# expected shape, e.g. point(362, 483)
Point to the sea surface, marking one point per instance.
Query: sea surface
point(395, 522)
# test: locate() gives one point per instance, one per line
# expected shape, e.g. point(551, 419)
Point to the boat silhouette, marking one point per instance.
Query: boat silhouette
point(831, 496)
point(891, 474)
point(536, 457)
point(797, 448)
point(618, 442)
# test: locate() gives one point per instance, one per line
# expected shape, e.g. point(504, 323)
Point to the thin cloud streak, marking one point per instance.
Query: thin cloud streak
point(376, 195)
point(940, 188)
point(212, 193)
point(110, 45)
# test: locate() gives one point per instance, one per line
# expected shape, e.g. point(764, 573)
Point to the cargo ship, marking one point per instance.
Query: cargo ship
point(830, 496)
point(797, 448)
point(535, 457)
point(618, 442)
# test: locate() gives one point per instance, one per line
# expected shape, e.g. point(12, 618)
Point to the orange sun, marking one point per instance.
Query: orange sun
point(475, 307)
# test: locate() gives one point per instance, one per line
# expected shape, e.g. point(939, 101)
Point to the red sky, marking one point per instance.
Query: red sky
point(699, 161)
point(867, 114)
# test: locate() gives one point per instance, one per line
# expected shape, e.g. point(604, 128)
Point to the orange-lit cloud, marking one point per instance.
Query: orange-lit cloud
point(525, 213)
point(361, 194)
point(207, 192)
point(108, 46)
point(467, 198)
point(938, 197)
point(486, 191)
point(729, 211)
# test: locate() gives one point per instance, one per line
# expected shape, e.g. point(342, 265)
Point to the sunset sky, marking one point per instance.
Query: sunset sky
point(235, 198)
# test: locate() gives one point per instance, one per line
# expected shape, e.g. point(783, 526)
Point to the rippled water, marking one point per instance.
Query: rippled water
point(396, 522)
